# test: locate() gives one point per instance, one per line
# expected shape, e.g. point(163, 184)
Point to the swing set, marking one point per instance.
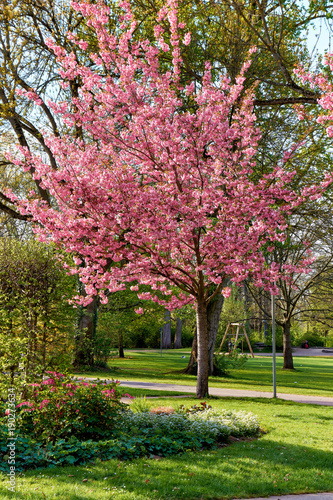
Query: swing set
point(238, 336)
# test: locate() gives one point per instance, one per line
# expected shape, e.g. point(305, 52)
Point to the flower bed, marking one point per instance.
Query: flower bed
point(72, 422)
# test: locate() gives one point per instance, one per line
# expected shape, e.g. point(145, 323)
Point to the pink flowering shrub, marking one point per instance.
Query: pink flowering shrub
point(60, 407)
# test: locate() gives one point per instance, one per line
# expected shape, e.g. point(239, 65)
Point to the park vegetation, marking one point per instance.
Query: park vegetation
point(65, 421)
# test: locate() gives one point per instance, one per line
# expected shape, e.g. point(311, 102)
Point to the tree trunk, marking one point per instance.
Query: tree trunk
point(178, 335)
point(260, 312)
point(194, 354)
point(166, 336)
point(247, 302)
point(214, 310)
point(84, 354)
point(203, 359)
point(121, 345)
point(288, 363)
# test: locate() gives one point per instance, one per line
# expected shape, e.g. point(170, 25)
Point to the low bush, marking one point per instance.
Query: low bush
point(225, 362)
point(314, 339)
point(208, 426)
point(61, 407)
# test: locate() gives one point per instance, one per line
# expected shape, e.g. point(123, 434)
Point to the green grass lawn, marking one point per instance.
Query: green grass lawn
point(312, 376)
point(295, 455)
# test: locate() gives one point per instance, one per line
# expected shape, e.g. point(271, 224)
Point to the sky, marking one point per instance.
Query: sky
point(320, 36)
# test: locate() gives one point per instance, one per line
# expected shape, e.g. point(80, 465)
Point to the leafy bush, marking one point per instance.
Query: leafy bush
point(60, 407)
point(227, 422)
point(314, 339)
point(224, 362)
point(36, 320)
point(175, 425)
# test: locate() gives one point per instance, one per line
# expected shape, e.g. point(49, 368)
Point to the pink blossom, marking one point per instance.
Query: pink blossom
point(226, 292)
point(45, 402)
point(49, 381)
point(24, 403)
point(187, 39)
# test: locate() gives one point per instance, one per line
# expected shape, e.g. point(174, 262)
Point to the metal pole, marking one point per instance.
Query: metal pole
point(161, 330)
point(273, 345)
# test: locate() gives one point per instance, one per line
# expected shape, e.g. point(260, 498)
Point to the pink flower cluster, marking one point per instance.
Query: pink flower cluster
point(44, 403)
point(55, 383)
point(30, 406)
point(126, 395)
point(109, 393)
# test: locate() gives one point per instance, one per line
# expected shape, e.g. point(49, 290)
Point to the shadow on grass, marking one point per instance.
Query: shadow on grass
point(260, 467)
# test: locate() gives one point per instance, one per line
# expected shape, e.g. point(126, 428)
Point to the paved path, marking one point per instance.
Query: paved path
point(301, 496)
point(235, 393)
point(298, 351)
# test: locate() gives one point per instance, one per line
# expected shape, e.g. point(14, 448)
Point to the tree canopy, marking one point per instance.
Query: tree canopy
point(152, 190)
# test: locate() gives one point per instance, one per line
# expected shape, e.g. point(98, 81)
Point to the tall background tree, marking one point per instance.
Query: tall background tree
point(36, 321)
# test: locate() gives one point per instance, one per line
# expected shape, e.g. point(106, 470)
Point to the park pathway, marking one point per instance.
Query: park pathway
point(231, 393)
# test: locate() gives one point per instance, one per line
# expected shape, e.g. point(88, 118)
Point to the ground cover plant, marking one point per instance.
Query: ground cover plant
point(312, 375)
point(298, 438)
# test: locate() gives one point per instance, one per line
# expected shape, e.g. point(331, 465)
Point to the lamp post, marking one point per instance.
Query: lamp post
point(273, 344)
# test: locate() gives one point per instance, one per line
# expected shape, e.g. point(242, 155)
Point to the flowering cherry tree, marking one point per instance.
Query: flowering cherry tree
point(157, 186)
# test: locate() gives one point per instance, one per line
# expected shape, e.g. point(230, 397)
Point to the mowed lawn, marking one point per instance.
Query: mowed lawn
point(312, 375)
point(294, 455)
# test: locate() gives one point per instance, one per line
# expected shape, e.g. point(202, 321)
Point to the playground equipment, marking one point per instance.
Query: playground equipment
point(237, 337)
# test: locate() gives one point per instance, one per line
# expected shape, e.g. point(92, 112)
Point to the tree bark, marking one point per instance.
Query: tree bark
point(203, 359)
point(288, 363)
point(84, 354)
point(166, 335)
point(194, 354)
point(214, 310)
point(178, 335)
point(121, 345)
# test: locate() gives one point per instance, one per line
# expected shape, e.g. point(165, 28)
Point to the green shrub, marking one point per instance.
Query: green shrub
point(314, 339)
point(36, 320)
point(103, 349)
point(225, 362)
point(61, 407)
